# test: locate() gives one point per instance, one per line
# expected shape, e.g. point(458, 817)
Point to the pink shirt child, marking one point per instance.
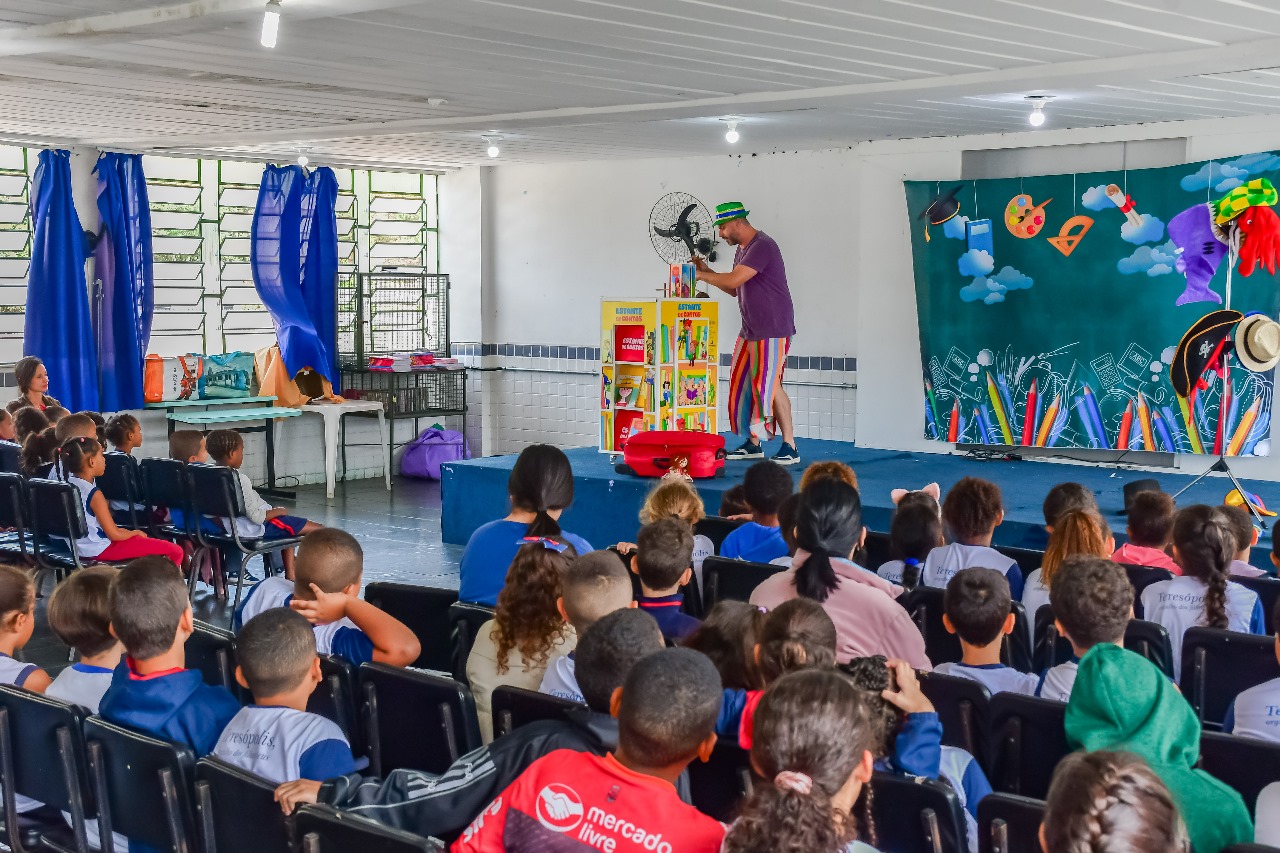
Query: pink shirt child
point(868, 621)
point(1141, 555)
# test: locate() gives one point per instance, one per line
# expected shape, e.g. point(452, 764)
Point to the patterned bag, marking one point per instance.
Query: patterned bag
point(227, 375)
point(167, 379)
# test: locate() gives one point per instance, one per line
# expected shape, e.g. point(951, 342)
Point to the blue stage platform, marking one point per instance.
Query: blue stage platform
point(606, 503)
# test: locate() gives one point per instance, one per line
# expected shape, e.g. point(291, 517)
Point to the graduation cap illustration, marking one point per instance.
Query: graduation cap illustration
point(943, 207)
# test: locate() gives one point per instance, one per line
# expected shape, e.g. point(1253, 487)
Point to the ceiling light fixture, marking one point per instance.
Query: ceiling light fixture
point(1037, 108)
point(731, 135)
point(303, 159)
point(271, 23)
point(493, 139)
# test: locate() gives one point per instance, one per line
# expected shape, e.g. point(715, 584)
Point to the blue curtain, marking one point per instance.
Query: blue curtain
point(320, 260)
point(276, 257)
point(58, 326)
point(123, 265)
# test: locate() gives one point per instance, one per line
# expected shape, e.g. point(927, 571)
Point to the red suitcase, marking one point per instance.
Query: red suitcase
point(654, 453)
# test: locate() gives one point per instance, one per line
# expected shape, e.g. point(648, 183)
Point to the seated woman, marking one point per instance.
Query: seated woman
point(540, 488)
point(33, 383)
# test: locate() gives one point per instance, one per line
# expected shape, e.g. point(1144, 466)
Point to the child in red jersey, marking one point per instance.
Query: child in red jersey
point(624, 801)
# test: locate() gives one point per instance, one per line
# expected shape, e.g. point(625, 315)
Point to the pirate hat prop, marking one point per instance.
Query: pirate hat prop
point(1206, 342)
point(942, 208)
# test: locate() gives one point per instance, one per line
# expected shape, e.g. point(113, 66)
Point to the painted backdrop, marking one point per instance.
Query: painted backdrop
point(1050, 308)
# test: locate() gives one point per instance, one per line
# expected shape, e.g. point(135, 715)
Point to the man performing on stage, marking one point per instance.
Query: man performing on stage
point(757, 404)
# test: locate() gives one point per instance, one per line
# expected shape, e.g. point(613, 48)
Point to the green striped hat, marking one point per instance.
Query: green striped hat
point(1255, 193)
point(729, 211)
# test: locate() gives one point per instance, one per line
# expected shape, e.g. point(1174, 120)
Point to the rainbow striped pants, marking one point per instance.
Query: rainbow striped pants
point(757, 369)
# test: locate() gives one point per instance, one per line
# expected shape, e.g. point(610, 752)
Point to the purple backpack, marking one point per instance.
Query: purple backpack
point(423, 456)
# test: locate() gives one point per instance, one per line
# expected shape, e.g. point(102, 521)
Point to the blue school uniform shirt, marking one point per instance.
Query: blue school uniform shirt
point(284, 745)
point(942, 563)
point(754, 542)
point(1256, 712)
point(665, 609)
point(996, 677)
point(174, 705)
point(342, 639)
point(489, 552)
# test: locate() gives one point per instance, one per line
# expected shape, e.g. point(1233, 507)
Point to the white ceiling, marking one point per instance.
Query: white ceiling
point(590, 79)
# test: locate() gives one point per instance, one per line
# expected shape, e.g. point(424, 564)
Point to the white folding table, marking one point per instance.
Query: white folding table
point(332, 414)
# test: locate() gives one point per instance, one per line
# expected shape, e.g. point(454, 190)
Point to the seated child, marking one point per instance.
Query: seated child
point(80, 615)
point(909, 734)
point(443, 805)
point(8, 427)
point(39, 457)
point(625, 801)
point(28, 420)
point(1256, 711)
point(595, 585)
point(977, 610)
point(972, 511)
point(1204, 544)
point(99, 423)
point(84, 461)
point(1077, 532)
point(733, 503)
point(814, 743)
point(1113, 800)
point(153, 692)
point(17, 622)
point(326, 590)
point(56, 413)
point(276, 737)
point(764, 487)
point(1122, 701)
point(1094, 603)
point(676, 497)
point(124, 432)
point(1150, 526)
point(664, 562)
point(915, 531)
point(1246, 538)
point(787, 512)
point(728, 635)
point(187, 445)
point(261, 521)
point(830, 468)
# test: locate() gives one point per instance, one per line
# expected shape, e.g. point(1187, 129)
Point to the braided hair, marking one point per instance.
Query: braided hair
point(1205, 543)
point(828, 524)
point(1110, 802)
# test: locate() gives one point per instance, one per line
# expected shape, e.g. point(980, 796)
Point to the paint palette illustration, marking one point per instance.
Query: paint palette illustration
point(1023, 217)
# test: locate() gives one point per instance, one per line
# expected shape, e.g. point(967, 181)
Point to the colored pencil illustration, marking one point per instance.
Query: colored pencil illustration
point(1193, 434)
point(933, 401)
point(1144, 418)
point(1029, 416)
point(1095, 414)
point(1047, 423)
point(1220, 438)
point(1082, 409)
point(1162, 432)
point(1006, 398)
point(930, 425)
point(998, 405)
point(953, 431)
point(1179, 440)
point(1245, 427)
point(992, 435)
point(1059, 425)
point(1257, 434)
point(1126, 423)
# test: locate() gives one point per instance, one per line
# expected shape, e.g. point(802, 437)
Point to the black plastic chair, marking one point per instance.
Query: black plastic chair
point(15, 515)
point(1151, 640)
point(876, 550)
point(325, 830)
point(716, 529)
point(465, 622)
point(335, 698)
point(1027, 740)
point(925, 605)
point(1028, 559)
point(57, 516)
point(963, 709)
point(415, 720)
point(514, 707)
point(720, 786)
point(237, 811)
point(42, 756)
point(212, 650)
point(215, 492)
point(1246, 764)
point(1268, 590)
point(1218, 665)
point(1009, 824)
point(913, 814)
point(733, 580)
point(142, 786)
point(10, 457)
point(423, 610)
point(122, 481)
point(165, 485)
point(1141, 577)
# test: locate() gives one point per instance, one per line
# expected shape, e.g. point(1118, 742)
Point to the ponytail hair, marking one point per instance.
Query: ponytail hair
point(541, 482)
point(1076, 532)
point(1206, 544)
point(916, 530)
point(75, 454)
point(810, 734)
point(1105, 801)
point(828, 524)
point(38, 451)
point(797, 634)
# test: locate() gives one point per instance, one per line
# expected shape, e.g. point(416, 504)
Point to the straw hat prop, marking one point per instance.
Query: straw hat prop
point(1257, 342)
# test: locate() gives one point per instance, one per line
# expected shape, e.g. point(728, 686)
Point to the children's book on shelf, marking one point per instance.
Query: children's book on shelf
point(629, 344)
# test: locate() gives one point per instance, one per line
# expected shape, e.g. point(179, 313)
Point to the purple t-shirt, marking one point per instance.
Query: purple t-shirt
point(765, 300)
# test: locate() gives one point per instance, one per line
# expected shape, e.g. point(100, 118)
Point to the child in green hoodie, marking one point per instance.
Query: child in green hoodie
point(1121, 701)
